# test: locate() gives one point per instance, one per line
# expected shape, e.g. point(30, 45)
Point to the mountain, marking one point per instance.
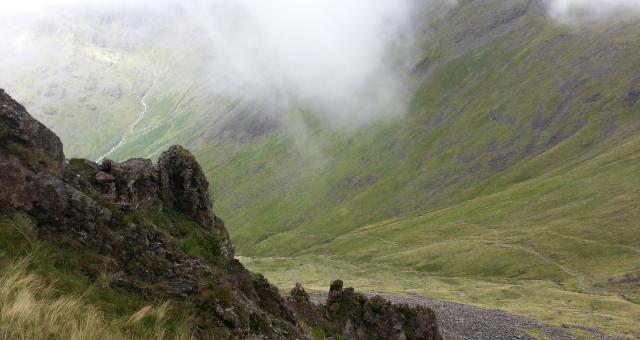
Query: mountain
point(510, 182)
point(132, 233)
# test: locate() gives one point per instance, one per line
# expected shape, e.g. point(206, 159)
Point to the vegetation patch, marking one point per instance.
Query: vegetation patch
point(54, 289)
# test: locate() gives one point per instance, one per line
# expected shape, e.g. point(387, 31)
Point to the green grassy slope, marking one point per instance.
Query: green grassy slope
point(562, 247)
point(81, 77)
point(532, 92)
point(514, 167)
point(510, 182)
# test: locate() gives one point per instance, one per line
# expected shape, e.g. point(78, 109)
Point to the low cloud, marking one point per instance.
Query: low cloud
point(344, 58)
point(581, 11)
point(347, 60)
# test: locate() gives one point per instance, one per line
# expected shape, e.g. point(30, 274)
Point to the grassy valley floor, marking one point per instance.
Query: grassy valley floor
point(545, 301)
point(561, 248)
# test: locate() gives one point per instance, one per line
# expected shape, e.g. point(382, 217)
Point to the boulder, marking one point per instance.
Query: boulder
point(231, 318)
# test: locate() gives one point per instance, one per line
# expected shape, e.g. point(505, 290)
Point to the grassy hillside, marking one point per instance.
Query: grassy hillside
point(45, 293)
point(511, 181)
point(562, 247)
point(81, 76)
point(532, 98)
point(514, 167)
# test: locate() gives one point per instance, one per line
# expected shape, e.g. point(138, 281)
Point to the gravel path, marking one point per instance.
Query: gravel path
point(464, 322)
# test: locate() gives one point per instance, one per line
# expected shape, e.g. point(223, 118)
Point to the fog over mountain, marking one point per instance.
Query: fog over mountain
point(482, 152)
point(578, 11)
point(346, 59)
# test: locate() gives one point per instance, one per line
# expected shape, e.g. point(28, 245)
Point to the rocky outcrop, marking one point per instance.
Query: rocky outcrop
point(131, 185)
point(88, 203)
point(123, 213)
point(355, 316)
point(176, 183)
point(133, 215)
point(27, 137)
point(299, 301)
point(184, 188)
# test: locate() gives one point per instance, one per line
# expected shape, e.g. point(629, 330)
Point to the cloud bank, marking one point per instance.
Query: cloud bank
point(579, 11)
point(342, 57)
point(347, 59)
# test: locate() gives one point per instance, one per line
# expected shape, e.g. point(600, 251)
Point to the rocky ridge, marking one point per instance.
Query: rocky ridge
point(357, 316)
point(127, 214)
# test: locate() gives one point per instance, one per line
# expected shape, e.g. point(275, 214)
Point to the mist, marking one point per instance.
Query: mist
point(585, 11)
point(348, 61)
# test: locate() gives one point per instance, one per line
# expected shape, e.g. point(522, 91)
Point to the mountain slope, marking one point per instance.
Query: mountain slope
point(507, 87)
point(509, 182)
point(130, 233)
point(503, 155)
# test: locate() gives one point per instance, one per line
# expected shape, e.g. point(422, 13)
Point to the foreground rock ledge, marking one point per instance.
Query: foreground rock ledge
point(356, 316)
point(125, 214)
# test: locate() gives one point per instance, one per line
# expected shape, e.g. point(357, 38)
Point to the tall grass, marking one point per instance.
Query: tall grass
point(32, 308)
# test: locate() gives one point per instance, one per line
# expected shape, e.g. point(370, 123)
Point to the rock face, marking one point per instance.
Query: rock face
point(18, 130)
point(184, 188)
point(359, 317)
point(127, 215)
point(88, 202)
point(355, 316)
point(131, 185)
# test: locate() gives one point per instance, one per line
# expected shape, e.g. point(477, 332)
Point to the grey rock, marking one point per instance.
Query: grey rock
point(104, 178)
point(231, 318)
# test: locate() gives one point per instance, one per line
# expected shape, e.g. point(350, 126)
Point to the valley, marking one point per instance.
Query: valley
point(133, 125)
point(510, 180)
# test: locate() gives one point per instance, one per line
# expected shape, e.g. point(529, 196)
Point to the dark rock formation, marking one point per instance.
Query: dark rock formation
point(184, 188)
point(355, 316)
point(132, 184)
point(82, 201)
point(126, 214)
point(27, 137)
point(299, 301)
